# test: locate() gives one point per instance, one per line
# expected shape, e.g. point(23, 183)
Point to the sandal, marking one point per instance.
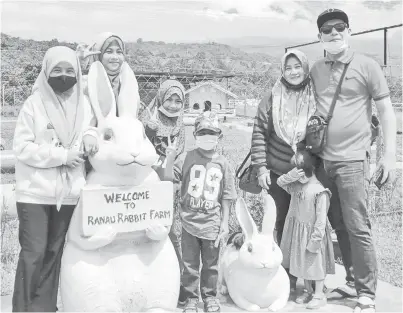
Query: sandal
point(304, 298)
point(212, 305)
point(191, 306)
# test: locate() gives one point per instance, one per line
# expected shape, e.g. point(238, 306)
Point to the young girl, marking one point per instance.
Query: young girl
point(49, 176)
point(163, 123)
point(306, 244)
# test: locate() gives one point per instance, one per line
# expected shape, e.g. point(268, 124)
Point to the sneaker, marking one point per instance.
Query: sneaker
point(191, 305)
point(365, 304)
point(212, 305)
point(316, 302)
point(347, 290)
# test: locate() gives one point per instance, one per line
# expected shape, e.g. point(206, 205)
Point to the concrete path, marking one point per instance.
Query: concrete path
point(389, 299)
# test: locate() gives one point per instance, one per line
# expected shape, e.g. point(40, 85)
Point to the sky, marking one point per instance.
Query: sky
point(186, 20)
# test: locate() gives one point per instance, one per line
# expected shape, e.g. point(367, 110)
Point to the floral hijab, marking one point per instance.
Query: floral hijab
point(159, 128)
point(292, 105)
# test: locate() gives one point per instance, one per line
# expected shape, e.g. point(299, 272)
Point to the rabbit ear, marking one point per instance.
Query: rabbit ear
point(269, 219)
point(129, 98)
point(100, 92)
point(245, 219)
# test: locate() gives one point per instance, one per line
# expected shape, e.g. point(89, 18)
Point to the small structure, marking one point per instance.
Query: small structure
point(207, 96)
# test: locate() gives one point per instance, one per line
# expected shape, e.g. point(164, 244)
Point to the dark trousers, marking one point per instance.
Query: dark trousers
point(348, 182)
point(282, 200)
point(42, 231)
point(192, 248)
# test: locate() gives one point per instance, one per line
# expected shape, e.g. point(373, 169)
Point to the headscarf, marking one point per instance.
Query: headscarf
point(65, 111)
point(165, 126)
point(123, 82)
point(292, 105)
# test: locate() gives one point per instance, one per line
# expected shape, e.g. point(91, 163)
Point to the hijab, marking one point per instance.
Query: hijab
point(165, 126)
point(122, 82)
point(65, 111)
point(292, 105)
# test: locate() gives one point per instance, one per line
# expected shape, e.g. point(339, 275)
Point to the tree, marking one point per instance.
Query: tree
point(140, 40)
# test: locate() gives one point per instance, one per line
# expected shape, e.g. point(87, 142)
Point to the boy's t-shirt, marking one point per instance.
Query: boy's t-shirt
point(205, 183)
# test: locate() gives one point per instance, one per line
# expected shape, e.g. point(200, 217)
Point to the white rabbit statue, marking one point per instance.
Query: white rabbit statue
point(125, 272)
point(251, 271)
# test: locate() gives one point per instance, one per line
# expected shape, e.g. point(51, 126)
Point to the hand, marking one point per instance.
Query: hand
point(264, 180)
point(153, 122)
point(296, 173)
point(74, 158)
point(157, 232)
point(224, 231)
point(170, 151)
point(104, 236)
point(385, 167)
point(90, 145)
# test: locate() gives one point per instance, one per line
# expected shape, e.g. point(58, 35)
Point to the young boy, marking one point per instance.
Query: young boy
point(206, 194)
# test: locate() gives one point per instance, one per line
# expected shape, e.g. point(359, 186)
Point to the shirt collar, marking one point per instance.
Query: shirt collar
point(345, 58)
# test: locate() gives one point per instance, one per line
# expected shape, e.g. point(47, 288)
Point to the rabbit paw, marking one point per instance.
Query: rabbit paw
point(253, 307)
point(157, 232)
point(278, 305)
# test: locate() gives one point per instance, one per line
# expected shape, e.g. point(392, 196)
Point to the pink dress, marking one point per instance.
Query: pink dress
point(306, 242)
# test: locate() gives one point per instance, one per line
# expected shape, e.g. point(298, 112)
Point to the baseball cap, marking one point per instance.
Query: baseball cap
point(207, 120)
point(332, 14)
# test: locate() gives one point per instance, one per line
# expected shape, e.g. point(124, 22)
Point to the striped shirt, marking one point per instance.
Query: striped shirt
point(269, 152)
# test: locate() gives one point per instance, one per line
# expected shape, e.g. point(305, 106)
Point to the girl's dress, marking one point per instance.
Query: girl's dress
point(306, 243)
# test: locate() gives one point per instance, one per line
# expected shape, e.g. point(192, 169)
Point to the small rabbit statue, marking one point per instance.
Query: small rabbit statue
point(251, 271)
point(124, 272)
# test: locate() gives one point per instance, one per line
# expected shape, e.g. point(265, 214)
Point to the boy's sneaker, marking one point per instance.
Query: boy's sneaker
point(365, 304)
point(347, 291)
point(191, 305)
point(212, 305)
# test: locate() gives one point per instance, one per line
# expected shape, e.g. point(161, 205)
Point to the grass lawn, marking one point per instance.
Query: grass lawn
point(387, 228)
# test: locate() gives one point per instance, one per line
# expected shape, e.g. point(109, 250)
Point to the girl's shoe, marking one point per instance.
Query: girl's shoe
point(304, 298)
point(316, 302)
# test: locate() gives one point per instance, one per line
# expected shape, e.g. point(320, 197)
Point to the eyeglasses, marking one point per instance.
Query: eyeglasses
point(340, 27)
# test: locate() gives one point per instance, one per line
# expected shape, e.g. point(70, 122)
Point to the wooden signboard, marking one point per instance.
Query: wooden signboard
point(127, 209)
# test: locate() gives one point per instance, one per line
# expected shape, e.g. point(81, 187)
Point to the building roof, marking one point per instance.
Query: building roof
point(210, 83)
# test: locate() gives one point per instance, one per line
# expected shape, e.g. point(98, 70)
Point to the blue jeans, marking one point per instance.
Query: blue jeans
point(192, 248)
point(348, 182)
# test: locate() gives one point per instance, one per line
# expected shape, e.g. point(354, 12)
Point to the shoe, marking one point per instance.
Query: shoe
point(212, 305)
point(182, 298)
point(317, 302)
point(365, 305)
point(347, 290)
point(304, 298)
point(191, 305)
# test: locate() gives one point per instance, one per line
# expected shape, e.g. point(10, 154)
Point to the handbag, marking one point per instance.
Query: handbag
point(316, 129)
point(248, 177)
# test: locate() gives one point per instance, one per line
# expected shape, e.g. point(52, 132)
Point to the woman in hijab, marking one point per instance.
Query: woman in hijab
point(107, 57)
point(49, 176)
point(163, 122)
point(280, 124)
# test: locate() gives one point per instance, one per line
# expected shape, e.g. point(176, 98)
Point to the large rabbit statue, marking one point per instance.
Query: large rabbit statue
point(251, 270)
point(124, 272)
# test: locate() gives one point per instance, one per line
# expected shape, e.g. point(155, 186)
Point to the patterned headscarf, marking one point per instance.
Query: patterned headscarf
point(292, 105)
point(159, 130)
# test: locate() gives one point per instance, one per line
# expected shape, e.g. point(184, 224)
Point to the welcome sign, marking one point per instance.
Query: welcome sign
point(127, 209)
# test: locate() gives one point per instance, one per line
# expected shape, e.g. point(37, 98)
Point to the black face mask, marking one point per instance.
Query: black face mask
point(62, 83)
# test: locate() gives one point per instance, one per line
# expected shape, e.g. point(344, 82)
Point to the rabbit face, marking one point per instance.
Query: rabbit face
point(124, 150)
point(259, 251)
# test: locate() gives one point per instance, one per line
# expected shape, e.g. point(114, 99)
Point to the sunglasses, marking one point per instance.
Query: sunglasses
point(340, 27)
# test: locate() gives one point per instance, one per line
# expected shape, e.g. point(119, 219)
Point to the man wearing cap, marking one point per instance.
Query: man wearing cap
point(344, 161)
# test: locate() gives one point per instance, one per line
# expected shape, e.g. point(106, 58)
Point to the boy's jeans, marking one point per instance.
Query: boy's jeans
point(192, 248)
point(348, 182)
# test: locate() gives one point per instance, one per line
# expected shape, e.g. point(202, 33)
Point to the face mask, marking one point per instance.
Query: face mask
point(62, 83)
point(207, 142)
point(335, 47)
point(169, 114)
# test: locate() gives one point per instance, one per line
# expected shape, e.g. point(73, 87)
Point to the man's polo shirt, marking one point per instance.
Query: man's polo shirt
point(349, 131)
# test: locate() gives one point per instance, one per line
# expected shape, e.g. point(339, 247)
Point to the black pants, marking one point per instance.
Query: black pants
point(42, 232)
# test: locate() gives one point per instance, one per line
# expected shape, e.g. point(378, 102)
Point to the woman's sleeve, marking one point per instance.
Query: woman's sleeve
point(26, 150)
point(261, 130)
point(322, 202)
